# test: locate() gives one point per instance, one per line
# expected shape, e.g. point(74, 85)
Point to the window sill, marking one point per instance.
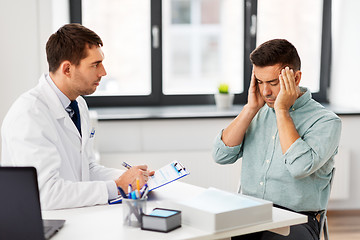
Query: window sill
point(185, 112)
point(165, 112)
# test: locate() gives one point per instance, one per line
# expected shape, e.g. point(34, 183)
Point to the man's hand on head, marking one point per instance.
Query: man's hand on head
point(255, 101)
point(289, 91)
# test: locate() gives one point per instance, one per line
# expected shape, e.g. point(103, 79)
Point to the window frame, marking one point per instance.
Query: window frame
point(157, 98)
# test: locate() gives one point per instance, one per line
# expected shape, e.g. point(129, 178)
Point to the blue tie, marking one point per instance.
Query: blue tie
point(76, 115)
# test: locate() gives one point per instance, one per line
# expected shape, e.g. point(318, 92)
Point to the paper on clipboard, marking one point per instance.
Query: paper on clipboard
point(167, 174)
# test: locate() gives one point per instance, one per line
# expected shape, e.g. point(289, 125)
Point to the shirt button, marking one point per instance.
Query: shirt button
point(268, 161)
point(273, 137)
point(261, 183)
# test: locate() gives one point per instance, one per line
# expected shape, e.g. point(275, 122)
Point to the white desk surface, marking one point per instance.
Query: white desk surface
point(105, 221)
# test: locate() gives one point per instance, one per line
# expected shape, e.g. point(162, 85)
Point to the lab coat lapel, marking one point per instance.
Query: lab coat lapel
point(68, 123)
point(57, 109)
point(55, 106)
point(84, 124)
point(85, 175)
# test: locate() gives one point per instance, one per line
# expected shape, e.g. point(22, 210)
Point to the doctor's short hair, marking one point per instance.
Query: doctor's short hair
point(276, 51)
point(70, 43)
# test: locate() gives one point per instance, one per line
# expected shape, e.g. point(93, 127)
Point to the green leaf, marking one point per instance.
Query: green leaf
point(223, 88)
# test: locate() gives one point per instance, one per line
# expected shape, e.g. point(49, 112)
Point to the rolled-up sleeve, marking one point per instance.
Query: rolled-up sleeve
point(311, 151)
point(223, 154)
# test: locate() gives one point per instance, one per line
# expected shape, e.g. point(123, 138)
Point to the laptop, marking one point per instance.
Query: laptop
point(20, 211)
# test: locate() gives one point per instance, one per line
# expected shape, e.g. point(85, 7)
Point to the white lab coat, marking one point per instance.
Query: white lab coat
point(37, 131)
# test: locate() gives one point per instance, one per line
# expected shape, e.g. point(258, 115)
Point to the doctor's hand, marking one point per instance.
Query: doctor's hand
point(289, 91)
point(255, 101)
point(129, 177)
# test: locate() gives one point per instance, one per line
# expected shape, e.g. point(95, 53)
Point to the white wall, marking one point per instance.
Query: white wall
point(25, 26)
point(345, 81)
point(19, 42)
point(349, 142)
point(158, 142)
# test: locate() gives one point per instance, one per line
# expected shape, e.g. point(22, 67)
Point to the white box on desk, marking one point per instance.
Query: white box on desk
point(215, 210)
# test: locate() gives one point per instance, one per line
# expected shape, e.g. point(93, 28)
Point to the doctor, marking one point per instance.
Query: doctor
point(49, 128)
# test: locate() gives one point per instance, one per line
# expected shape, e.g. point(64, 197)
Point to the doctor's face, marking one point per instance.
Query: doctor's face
point(87, 75)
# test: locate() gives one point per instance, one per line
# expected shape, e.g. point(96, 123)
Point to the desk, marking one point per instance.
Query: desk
point(105, 221)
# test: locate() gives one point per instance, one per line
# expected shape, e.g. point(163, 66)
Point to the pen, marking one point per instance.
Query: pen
point(138, 184)
point(123, 194)
point(133, 195)
point(146, 191)
point(129, 191)
point(143, 188)
point(128, 166)
point(138, 188)
point(92, 133)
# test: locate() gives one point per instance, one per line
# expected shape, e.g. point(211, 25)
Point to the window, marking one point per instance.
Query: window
point(304, 31)
point(202, 46)
point(126, 47)
point(176, 52)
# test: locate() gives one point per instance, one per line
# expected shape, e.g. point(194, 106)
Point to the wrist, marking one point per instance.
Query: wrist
point(120, 184)
point(251, 109)
point(281, 109)
point(282, 112)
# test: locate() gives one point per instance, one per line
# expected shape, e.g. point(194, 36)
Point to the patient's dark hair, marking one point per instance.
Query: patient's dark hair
point(70, 43)
point(276, 51)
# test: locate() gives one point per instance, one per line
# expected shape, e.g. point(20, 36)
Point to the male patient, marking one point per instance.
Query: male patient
point(49, 127)
point(287, 140)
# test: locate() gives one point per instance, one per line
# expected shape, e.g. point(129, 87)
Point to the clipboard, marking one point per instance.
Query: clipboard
point(167, 174)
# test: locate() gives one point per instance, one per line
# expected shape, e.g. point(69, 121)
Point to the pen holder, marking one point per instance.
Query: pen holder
point(132, 211)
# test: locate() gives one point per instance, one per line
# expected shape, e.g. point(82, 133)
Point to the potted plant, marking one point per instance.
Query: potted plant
point(224, 99)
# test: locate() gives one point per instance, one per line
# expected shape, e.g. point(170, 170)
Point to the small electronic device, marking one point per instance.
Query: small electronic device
point(161, 220)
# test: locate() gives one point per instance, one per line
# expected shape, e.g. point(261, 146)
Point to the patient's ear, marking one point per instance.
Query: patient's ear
point(297, 77)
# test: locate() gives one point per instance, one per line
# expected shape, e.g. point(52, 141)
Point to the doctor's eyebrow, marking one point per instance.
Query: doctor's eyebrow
point(96, 62)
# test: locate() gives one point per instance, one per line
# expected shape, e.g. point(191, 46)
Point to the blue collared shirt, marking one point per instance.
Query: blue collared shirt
point(298, 179)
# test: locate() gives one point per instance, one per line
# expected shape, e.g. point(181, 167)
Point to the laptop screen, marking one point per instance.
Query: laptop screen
point(20, 211)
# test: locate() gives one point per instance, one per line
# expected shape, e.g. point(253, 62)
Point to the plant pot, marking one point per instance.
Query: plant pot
point(224, 101)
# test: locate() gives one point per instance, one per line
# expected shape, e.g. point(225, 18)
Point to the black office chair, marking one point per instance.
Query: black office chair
point(324, 232)
point(324, 229)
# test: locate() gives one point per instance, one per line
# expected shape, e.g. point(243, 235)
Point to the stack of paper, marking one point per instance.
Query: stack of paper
point(215, 210)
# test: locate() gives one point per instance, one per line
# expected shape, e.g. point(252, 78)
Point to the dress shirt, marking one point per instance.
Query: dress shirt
point(298, 179)
point(65, 101)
